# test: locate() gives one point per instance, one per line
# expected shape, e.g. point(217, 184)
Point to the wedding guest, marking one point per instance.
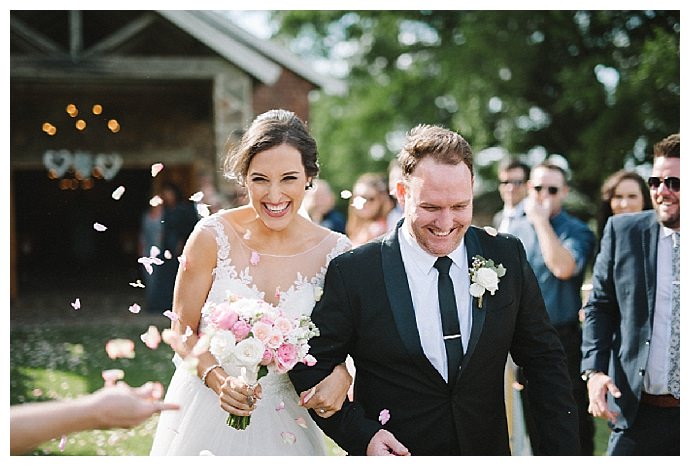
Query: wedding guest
point(319, 202)
point(368, 209)
point(115, 406)
point(622, 192)
point(631, 337)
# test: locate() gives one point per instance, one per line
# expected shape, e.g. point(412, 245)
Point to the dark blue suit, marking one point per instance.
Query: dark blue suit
point(366, 311)
point(620, 311)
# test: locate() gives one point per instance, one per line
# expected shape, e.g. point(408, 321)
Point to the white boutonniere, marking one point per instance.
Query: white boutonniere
point(484, 275)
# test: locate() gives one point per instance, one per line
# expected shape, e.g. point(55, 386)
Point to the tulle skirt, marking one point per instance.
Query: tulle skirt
point(279, 426)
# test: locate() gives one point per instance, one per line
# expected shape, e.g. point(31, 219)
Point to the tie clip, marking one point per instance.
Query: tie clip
point(451, 337)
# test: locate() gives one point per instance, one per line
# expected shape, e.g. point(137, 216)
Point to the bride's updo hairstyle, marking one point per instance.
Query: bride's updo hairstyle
point(268, 130)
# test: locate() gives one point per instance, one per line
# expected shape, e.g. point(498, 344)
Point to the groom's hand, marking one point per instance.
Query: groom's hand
point(383, 443)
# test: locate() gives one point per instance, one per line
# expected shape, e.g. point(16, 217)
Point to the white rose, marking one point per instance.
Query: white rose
point(249, 352)
point(222, 344)
point(486, 278)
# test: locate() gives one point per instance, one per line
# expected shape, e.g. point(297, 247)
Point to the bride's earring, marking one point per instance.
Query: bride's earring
point(309, 185)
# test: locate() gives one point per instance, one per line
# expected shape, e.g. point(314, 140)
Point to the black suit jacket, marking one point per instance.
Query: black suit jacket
point(620, 309)
point(366, 311)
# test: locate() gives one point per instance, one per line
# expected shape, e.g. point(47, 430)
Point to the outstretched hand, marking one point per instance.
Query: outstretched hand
point(122, 406)
point(383, 443)
point(598, 386)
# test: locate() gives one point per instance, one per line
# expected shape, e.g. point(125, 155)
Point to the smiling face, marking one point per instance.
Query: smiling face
point(666, 202)
point(276, 182)
point(627, 197)
point(437, 199)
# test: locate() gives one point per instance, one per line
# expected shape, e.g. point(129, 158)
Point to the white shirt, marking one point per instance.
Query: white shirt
point(656, 374)
point(423, 280)
point(509, 214)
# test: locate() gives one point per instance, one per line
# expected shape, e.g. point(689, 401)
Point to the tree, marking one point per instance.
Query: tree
point(597, 87)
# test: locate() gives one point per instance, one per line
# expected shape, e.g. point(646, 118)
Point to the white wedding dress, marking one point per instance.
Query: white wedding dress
point(279, 425)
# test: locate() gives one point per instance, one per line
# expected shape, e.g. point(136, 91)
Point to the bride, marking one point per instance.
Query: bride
point(265, 250)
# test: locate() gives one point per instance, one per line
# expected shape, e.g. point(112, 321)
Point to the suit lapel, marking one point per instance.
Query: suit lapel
point(474, 248)
point(400, 299)
point(650, 239)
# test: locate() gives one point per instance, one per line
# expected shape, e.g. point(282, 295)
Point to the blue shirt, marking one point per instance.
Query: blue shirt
point(561, 297)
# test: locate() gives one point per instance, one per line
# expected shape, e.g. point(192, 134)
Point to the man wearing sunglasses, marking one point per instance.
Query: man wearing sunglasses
point(559, 247)
point(631, 338)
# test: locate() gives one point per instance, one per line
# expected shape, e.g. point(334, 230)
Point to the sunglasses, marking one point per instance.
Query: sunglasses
point(513, 182)
point(671, 182)
point(553, 190)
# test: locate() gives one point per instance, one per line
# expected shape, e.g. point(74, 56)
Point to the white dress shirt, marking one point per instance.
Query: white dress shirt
point(423, 280)
point(656, 374)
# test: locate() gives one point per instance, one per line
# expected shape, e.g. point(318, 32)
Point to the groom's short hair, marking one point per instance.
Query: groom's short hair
point(442, 144)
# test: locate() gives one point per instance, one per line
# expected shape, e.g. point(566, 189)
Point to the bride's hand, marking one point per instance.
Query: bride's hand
point(237, 397)
point(327, 397)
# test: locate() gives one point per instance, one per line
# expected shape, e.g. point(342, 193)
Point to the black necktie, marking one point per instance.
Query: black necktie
point(449, 317)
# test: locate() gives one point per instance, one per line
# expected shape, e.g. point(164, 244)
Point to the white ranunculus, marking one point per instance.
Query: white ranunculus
point(477, 290)
point(222, 345)
point(487, 278)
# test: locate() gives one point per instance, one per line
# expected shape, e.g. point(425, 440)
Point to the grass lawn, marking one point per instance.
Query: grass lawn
point(59, 361)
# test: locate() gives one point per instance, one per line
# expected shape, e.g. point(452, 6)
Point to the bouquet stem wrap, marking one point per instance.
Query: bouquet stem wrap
point(242, 422)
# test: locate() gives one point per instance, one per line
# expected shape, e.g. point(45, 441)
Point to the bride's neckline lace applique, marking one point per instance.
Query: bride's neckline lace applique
point(304, 290)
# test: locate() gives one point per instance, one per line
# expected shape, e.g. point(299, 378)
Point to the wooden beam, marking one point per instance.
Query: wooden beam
point(35, 38)
point(120, 36)
point(122, 67)
point(76, 34)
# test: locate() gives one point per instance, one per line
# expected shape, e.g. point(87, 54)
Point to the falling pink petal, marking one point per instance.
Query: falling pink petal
point(490, 230)
point(183, 261)
point(247, 235)
point(156, 169)
point(117, 194)
point(308, 396)
point(288, 438)
point(167, 254)
point(170, 337)
point(137, 284)
point(384, 416)
point(99, 227)
point(134, 308)
point(196, 197)
point(76, 304)
point(63, 442)
point(345, 194)
point(120, 348)
point(187, 333)
point(301, 422)
point(280, 406)
point(171, 315)
point(254, 259)
point(110, 376)
point(517, 386)
point(154, 251)
point(309, 360)
point(152, 337)
point(155, 201)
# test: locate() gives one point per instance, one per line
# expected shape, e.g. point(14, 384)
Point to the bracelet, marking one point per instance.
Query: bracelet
point(208, 371)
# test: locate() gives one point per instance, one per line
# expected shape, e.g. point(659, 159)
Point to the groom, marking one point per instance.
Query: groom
point(429, 356)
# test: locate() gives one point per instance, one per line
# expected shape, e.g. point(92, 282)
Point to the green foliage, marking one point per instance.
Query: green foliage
point(597, 87)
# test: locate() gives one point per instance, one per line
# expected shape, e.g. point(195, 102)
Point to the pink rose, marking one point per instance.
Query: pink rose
point(283, 325)
point(223, 316)
point(262, 331)
point(241, 329)
point(268, 357)
point(287, 355)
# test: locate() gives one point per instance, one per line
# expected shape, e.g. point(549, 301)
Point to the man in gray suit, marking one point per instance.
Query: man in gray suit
point(631, 337)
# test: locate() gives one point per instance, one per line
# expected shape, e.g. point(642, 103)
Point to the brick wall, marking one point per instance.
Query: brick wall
point(290, 92)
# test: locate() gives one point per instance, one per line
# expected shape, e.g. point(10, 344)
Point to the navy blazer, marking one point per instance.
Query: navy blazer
point(366, 311)
point(620, 310)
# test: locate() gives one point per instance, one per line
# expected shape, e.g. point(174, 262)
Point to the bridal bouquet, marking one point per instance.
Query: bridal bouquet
point(250, 336)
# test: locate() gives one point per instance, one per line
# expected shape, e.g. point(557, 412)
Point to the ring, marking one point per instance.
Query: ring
point(322, 410)
point(250, 400)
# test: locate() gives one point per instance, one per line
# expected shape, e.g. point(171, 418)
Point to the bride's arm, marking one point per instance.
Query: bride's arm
point(327, 397)
point(193, 283)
